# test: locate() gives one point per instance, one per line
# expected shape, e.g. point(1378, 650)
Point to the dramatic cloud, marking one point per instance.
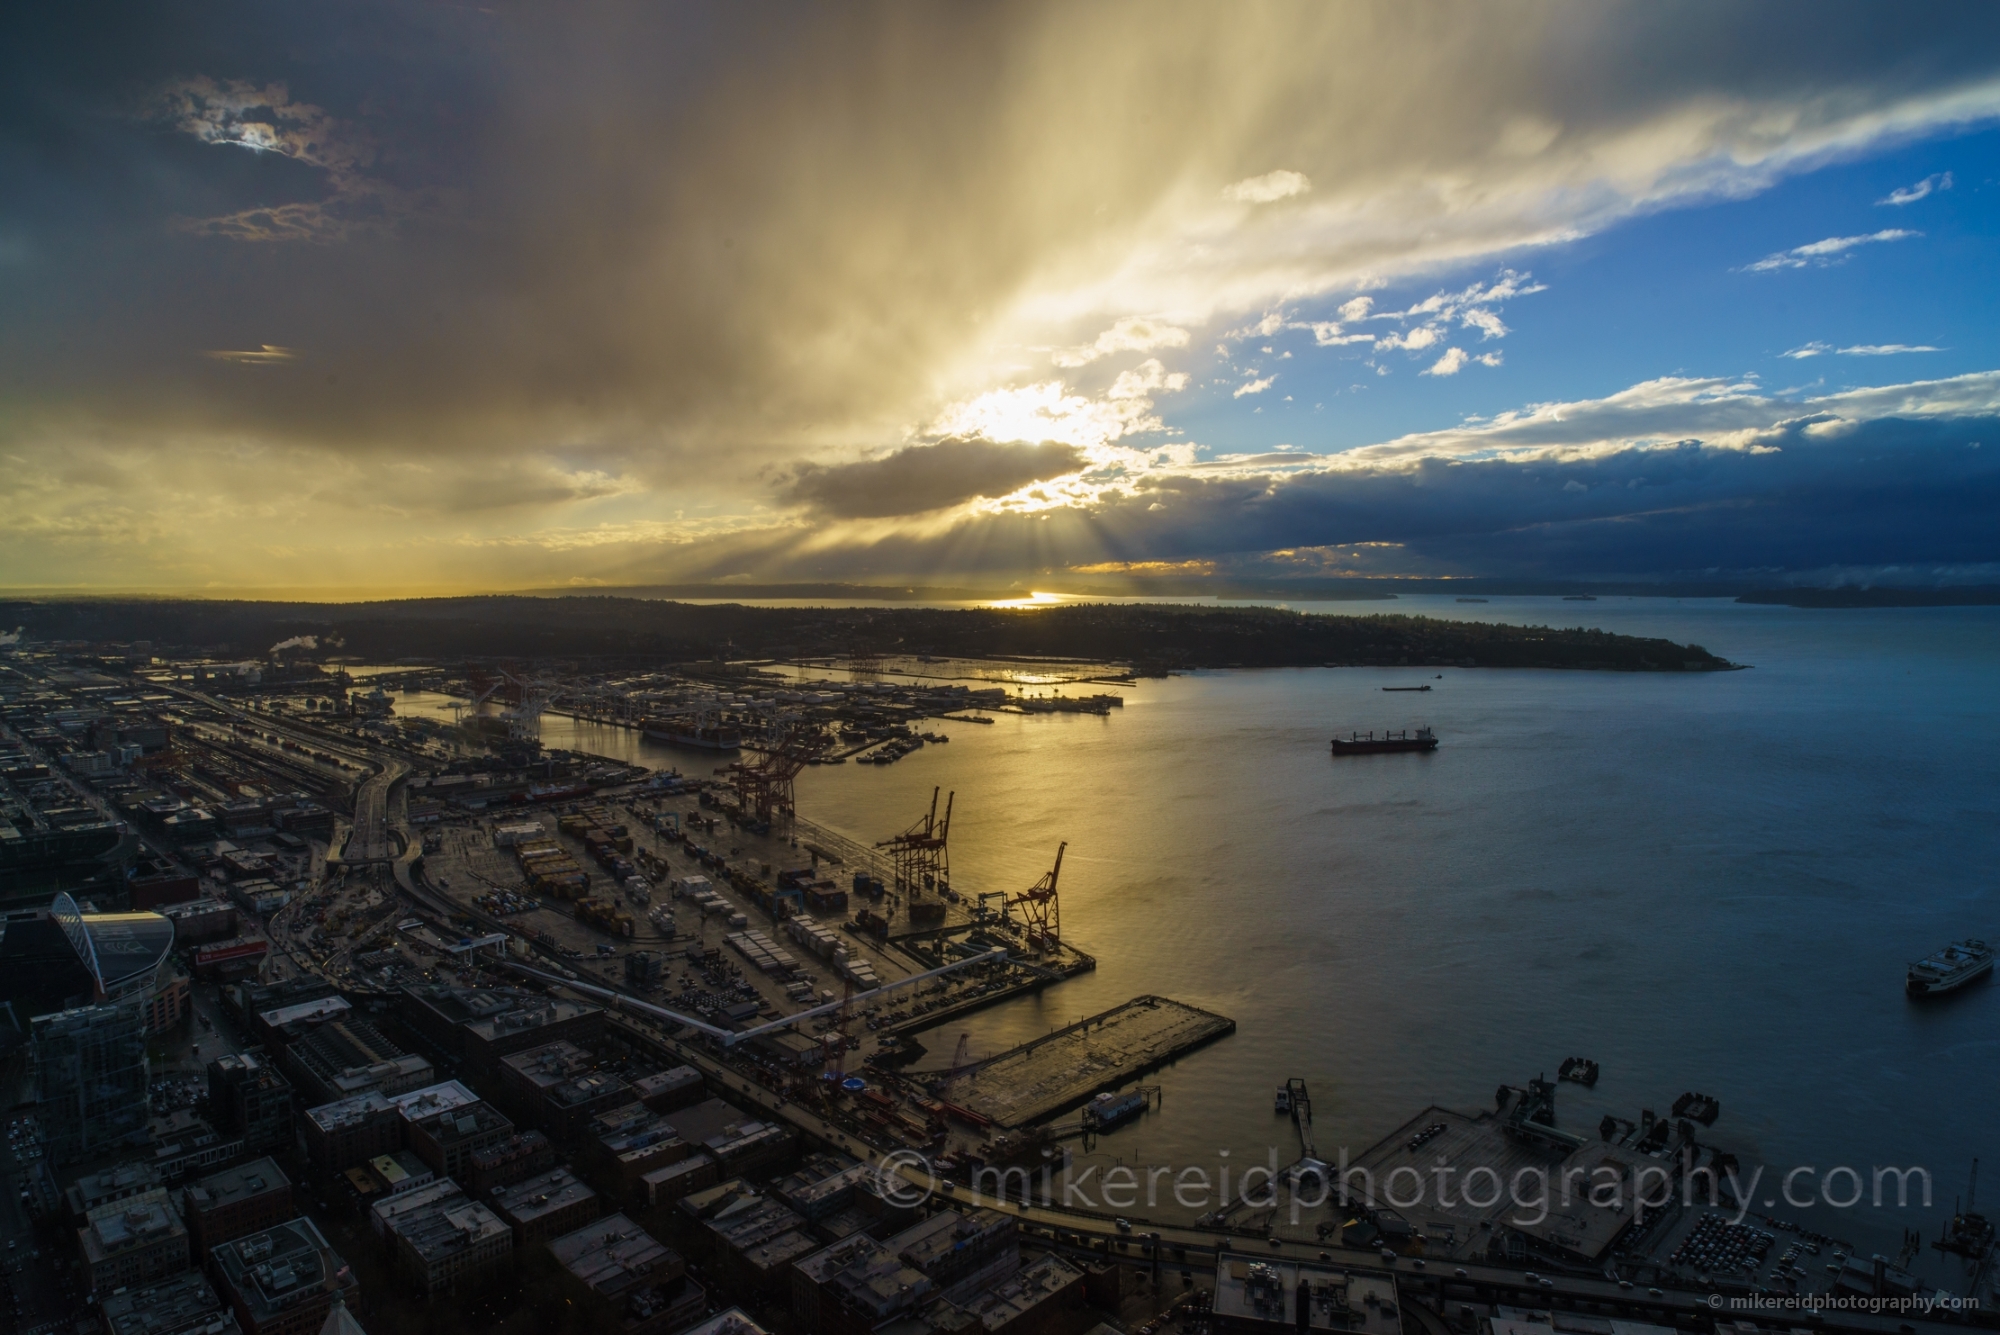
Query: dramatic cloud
point(1268, 188)
point(265, 120)
point(1671, 477)
point(927, 477)
point(1833, 250)
point(1910, 194)
point(1132, 334)
point(379, 295)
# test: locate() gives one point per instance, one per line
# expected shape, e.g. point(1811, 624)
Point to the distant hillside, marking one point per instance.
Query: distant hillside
point(1971, 595)
point(1151, 637)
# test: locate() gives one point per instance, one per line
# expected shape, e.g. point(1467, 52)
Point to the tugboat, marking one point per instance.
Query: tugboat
point(1949, 969)
point(1578, 1070)
point(1357, 745)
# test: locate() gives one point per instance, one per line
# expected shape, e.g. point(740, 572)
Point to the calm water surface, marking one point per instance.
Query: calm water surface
point(1705, 882)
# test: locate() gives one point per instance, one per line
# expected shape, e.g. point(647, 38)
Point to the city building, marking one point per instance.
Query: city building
point(112, 1184)
point(235, 1202)
point(129, 958)
point(735, 1321)
point(1272, 1295)
point(131, 1241)
point(250, 1099)
point(755, 1240)
point(183, 1305)
point(813, 1296)
point(448, 1139)
point(489, 1039)
point(1036, 1300)
point(337, 1057)
point(201, 921)
point(625, 1280)
point(438, 1013)
point(666, 1091)
point(961, 1253)
point(545, 1206)
point(183, 1142)
point(663, 1186)
point(521, 1155)
point(397, 1173)
point(823, 1185)
point(90, 1079)
point(352, 1131)
point(283, 1281)
point(441, 1236)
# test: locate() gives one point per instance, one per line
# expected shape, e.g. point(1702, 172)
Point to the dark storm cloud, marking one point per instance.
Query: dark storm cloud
point(926, 477)
point(1879, 493)
point(519, 262)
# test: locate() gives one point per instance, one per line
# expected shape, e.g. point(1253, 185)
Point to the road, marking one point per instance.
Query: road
point(370, 840)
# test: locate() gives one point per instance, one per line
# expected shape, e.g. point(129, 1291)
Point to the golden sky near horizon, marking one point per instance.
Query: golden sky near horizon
point(454, 299)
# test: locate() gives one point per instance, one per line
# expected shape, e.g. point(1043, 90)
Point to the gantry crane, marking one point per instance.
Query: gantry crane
point(764, 785)
point(1041, 910)
point(920, 856)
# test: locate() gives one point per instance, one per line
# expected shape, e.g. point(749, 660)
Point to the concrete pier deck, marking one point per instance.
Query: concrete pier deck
point(1044, 1076)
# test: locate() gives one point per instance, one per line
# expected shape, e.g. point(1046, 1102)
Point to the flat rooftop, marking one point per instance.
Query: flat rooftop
point(1250, 1289)
point(614, 1256)
point(238, 1183)
point(541, 1195)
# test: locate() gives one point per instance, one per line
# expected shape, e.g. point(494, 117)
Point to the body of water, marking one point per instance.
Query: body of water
point(1705, 882)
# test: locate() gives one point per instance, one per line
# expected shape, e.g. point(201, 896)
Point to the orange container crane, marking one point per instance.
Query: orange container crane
point(1041, 908)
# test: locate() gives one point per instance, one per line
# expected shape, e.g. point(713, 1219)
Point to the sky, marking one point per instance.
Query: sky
point(367, 299)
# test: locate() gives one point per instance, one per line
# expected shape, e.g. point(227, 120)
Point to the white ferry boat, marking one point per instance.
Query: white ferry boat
point(1951, 968)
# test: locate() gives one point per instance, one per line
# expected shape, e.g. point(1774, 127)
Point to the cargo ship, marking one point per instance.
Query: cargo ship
point(1949, 969)
point(1358, 744)
point(695, 733)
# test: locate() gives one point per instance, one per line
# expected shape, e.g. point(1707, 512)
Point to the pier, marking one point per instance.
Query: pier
point(1059, 1070)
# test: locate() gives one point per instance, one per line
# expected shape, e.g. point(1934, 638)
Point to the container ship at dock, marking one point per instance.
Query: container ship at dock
point(1359, 744)
point(694, 733)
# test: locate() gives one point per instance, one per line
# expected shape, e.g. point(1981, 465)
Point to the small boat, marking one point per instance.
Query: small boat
point(1578, 1070)
point(1425, 687)
point(1949, 969)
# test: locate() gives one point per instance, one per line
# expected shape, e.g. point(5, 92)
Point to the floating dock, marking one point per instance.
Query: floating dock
point(1046, 1075)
